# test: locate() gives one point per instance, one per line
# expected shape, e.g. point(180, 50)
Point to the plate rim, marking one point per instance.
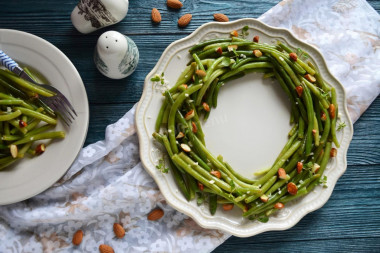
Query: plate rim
point(244, 232)
point(86, 115)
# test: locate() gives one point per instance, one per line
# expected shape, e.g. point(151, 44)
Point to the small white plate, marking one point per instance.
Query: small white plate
point(248, 128)
point(29, 177)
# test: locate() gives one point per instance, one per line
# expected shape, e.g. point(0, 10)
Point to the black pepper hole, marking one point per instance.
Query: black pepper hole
point(106, 37)
point(107, 47)
point(116, 40)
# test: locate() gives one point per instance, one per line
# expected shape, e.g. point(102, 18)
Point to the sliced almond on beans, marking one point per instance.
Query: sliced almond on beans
point(256, 38)
point(216, 173)
point(257, 53)
point(279, 205)
point(292, 188)
point(228, 207)
point(185, 147)
point(293, 56)
point(281, 173)
point(310, 78)
point(189, 115)
point(333, 152)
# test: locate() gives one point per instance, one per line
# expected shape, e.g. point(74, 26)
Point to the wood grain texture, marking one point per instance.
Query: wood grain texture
point(350, 220)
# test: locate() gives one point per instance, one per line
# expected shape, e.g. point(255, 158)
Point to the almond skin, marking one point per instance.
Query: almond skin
point(228, 207)
point(281, 173)
point(200, 73)
point(77, 237)
point(174, 4)
point(156, 16)
point(184, 20)
point(299, 90)
point(293, 56)
point(156, 214)
point(292, 188)
point(118, 230)
point(216, 173)
point(104, 248)
point(299, 167)
point(256, 38)
point(220, 17)
point(278, 205)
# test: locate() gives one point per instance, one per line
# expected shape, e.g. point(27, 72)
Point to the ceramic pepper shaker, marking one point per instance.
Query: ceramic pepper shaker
point(116, 56)
point(91, 15)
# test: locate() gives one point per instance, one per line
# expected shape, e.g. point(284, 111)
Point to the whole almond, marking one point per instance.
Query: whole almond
point(184, 20)
point(156, 15)
point(156, 214)
point(118, 230)
point(104, 248)
point(174, 4)
point(77, 238)
point(220, 17)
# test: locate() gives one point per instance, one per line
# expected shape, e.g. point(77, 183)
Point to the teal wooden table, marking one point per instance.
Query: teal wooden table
point(349, 222)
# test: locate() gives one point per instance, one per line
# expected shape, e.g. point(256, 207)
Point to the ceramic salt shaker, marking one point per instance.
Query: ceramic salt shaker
point(116, 56)
point(91, 15)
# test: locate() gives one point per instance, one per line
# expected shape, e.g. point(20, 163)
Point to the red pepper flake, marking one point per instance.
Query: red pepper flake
point(234, 33)
point(200, 186)
point(216, 173)
point(219, 50)
point(22, 124)
point(293, 56)
point(299, 167)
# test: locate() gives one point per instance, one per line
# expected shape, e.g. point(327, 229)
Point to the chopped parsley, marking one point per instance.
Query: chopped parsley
point(161, 166)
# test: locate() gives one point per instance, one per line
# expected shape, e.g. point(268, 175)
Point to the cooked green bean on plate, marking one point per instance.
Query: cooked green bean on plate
point(24, 119)
point(299, 167)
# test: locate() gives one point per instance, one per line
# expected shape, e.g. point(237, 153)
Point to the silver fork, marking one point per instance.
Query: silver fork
point(59, 103)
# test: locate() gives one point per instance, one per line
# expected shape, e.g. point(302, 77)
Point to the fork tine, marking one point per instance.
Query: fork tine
point(59, 114)
point(62, 112)
point(67, 102)
point(64, 106)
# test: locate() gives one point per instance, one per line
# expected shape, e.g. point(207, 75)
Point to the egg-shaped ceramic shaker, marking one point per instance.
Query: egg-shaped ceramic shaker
point(91, 15)
point(116, 56)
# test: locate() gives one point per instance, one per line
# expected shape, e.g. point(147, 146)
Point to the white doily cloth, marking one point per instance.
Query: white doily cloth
point(107, 183)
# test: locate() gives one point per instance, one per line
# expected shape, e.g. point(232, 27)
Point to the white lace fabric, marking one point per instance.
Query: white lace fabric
point(107, 183)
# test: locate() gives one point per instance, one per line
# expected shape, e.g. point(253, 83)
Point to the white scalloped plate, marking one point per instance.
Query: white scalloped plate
point(249, 128)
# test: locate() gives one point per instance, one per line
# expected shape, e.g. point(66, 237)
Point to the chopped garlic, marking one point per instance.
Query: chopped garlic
point(211, 181)
point(186, 95)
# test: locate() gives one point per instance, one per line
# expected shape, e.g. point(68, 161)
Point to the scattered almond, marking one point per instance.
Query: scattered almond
point(156, 214)
point(256, 39)
point(228, 207)
point(310, 78)
point(293, 56)
point(14, 150)
point(281, 173)
point(194, 127)
point(333, 152)
point(279, 205)
point(332, 111)
point(234, 33)
point(206, 107)
point(216, 173)
point(77, 237)
point(264, 198)
point(104, 248)
point(40, 149)
point(220, 17)
point(257, 53)
point(185, 147)
point(299, 90)
point(201, 73)
point(184, 20)
point(299, 167)
point(156, 16)
point(180, 135)
point(174, 4)
point(219, 50)
point(189, 115)
point(292, 188)
point(118, 230)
